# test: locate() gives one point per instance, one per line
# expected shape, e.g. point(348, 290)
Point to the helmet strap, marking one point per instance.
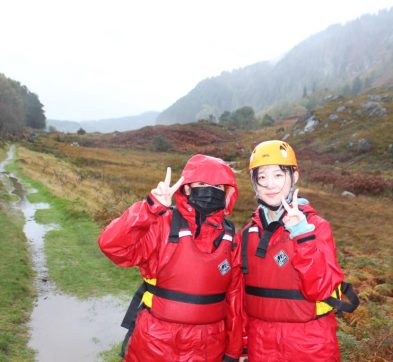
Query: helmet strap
point(288, 199)
point(271, 207)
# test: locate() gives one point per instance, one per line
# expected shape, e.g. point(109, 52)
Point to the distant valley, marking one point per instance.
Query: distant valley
point(105, 125)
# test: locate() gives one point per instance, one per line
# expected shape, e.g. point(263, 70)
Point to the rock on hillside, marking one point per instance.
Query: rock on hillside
point(349, 129)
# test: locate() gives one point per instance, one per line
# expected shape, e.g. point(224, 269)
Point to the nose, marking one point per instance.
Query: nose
point(270, 182)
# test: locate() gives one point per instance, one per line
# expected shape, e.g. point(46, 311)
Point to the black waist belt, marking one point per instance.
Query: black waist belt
point(184, 297)
point(342, 306)
point(275, 293)
point(338, 304)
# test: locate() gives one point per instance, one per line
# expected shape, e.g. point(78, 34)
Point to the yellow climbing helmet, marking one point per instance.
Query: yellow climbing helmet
point(273, 153)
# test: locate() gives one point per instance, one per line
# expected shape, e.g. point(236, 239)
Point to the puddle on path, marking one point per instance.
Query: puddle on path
point(62, 327)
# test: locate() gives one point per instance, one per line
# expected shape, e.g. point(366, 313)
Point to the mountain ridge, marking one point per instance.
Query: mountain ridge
point(331, 59)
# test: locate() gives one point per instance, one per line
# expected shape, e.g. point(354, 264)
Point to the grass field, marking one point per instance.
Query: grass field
point(16, 289)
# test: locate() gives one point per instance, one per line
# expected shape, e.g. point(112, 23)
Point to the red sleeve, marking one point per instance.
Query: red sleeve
point(234, 321)
point(132, 238)
point(315, 261)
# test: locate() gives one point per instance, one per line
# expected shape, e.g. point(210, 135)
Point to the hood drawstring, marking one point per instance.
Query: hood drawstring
point(199, 220)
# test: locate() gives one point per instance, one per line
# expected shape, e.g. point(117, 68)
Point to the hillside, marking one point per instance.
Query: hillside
point(349, 129)
point(191, 138)
point(186, 139)
point(348, 143)
point(343, 58)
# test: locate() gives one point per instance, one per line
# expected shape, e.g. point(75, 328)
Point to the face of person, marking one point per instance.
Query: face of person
point(187, 188)
point(273, 183)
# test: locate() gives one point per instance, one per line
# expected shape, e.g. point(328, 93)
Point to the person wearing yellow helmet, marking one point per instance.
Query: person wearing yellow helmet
point(291, 274)
point(273, 163)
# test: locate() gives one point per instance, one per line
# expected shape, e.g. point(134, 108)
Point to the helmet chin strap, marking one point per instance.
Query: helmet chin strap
point(270, 207)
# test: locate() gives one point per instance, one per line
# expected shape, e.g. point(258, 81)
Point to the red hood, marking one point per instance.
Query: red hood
point(213, 171)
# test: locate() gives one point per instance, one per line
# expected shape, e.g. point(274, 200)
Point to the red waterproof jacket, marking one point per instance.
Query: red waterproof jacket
point(140, 238)
point(282, 290)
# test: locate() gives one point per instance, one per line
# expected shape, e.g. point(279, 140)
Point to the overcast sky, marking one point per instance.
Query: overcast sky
point(92, 59)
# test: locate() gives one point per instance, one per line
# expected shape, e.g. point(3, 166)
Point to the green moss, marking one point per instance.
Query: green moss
point(16, 291)
point(112, 355)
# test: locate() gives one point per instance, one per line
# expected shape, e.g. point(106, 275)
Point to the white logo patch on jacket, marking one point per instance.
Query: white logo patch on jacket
point(281, 258)
point(224, 267)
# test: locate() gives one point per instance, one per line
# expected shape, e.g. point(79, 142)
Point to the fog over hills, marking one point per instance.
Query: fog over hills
point(333, 59)
point(336, 60)
point(106, 125)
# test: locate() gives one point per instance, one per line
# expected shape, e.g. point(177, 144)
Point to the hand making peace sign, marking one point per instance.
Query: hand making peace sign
point(164, 192)
point(294, 215)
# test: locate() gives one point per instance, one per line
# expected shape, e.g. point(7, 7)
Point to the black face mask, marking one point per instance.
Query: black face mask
point(207, 200)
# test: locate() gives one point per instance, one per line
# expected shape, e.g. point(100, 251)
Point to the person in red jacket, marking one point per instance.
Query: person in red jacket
point(291, 274)
point(190, 263)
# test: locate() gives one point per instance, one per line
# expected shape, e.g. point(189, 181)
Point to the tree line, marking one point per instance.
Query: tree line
point(19, 108)
point(245, 118)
